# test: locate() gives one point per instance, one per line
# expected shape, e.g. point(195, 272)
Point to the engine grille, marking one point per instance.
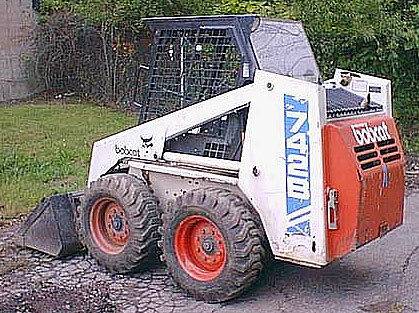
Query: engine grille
point(374, 154)
point(341, 103)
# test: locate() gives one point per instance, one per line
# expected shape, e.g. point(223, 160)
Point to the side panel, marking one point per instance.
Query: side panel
point(281, 168)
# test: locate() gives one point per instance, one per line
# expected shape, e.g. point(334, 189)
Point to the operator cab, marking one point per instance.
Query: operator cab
point(197, 58)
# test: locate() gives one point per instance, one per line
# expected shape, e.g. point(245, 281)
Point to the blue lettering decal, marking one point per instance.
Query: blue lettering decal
point(297, 151)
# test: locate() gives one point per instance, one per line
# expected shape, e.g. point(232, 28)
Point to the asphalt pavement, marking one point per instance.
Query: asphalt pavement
point(381, 277)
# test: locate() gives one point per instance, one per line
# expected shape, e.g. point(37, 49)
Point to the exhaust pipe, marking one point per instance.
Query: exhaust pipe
point(50, 228)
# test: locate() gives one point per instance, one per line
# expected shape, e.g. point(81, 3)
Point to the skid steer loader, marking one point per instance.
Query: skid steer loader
point(242, 153)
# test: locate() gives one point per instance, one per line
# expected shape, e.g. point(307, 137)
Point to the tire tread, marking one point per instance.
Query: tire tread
point(239, 222)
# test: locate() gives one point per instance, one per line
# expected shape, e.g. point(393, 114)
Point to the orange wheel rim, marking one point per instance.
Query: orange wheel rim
point(200, 248)
point(109, 225)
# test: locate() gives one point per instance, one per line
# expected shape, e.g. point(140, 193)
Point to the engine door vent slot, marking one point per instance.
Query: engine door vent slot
point(373, 154)
point(389, 150)
point(386, 142)
point(367, 156)
point(362, 148)
point(371, 164)
point(392, 158)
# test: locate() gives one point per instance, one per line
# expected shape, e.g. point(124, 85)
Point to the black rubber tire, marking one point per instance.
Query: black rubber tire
point(235, 219)
point(141, 208)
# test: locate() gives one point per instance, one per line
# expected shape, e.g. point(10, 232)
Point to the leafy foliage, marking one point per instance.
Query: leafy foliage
point(365, 35)
point(122, 13)
point(125, 13)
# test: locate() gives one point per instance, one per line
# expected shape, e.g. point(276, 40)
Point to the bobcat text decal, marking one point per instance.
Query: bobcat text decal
point(127, 151)
point(364, 134)
point(297, 151)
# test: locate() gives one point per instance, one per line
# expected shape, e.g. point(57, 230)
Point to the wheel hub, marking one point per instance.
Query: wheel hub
point(200, 248)
point(209, 245)
point(117, 222)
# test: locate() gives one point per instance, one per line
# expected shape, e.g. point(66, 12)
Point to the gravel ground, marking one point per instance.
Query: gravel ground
point(33, 282)
point(412, 174)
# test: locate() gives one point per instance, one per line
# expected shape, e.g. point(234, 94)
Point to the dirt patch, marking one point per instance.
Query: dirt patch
point(384, 307)
point(68, 182)
point(12, 256)
point(9, 264)
point(10, 222)
point(47, 298)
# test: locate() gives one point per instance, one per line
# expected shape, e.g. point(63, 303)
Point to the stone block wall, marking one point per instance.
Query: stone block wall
point(17, 23)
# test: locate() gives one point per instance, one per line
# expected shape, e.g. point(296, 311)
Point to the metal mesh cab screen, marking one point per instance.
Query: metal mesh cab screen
point(220, 138)
point(341, 102)
point(188, 66)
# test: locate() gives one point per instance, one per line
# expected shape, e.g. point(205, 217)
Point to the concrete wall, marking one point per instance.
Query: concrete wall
point(17, 22)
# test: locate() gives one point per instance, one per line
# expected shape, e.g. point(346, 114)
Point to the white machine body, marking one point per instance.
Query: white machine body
point(280, 171)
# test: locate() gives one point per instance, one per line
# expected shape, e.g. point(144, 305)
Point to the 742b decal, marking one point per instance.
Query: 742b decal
point(297, 151)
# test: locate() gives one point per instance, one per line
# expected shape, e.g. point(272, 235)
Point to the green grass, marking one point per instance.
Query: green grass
point(45, 149)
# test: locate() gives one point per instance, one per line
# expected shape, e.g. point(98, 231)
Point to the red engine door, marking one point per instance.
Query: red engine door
point(364, 163)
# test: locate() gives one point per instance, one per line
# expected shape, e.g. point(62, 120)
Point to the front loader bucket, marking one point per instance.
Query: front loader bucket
point(50, 228)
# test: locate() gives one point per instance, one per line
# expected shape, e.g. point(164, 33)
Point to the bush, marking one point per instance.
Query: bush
point(101, 60)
